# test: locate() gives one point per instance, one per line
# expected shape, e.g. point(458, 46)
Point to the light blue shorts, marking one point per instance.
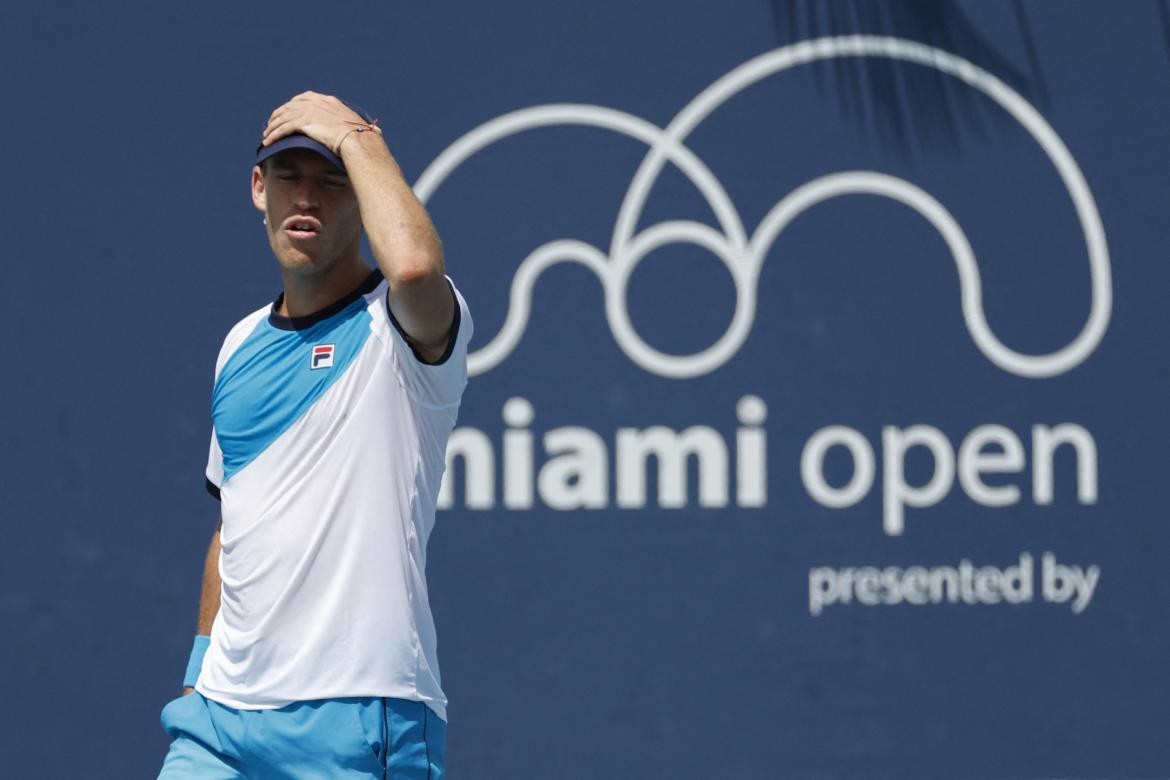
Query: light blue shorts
point(366, 737)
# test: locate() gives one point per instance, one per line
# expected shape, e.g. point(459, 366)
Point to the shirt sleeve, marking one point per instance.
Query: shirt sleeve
point(236, 336)
point(214, 473)
point(437, 384)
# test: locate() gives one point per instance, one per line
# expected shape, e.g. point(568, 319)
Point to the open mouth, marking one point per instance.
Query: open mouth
point(301, 228)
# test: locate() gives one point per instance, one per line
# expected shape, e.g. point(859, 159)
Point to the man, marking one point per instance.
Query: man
point(331, 410)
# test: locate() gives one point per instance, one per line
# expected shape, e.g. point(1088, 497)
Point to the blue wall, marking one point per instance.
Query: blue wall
point(633, 637)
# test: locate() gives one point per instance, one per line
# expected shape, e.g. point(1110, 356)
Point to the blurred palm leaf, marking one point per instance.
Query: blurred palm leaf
point(907, 106)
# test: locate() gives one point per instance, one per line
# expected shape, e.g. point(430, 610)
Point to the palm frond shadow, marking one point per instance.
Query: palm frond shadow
point(910, 108)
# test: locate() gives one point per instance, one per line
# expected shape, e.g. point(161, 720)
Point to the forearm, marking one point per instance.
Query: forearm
point(402, 237)
point(209, 595)
point(404, 242)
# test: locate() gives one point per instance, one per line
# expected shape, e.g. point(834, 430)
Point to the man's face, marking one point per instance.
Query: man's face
point(312, 213)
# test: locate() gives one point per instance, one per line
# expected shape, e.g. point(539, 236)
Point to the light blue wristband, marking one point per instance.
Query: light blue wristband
point(195, 662)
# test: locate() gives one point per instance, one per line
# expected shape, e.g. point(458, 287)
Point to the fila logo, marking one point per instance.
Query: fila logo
point(322, 356)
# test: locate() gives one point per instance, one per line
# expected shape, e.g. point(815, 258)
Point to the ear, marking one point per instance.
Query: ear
point(259, 196)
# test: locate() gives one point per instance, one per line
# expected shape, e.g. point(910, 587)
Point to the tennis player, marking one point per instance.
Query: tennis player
point(331, 410)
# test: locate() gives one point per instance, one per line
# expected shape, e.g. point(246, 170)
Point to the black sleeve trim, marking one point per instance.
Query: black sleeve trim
point(211, 488)
point(450, 341)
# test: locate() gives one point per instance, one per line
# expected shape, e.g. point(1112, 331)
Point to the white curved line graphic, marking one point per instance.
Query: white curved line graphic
point(742, 257)
point(590, 116)
point(520, 301)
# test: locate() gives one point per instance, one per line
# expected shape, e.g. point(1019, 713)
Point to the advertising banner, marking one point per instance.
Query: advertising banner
point(817, 416)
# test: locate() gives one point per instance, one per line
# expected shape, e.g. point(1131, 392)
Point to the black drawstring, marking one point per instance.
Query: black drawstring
point(426, 711)
point(385, 741)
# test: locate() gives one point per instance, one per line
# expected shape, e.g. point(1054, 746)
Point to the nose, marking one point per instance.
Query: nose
point(307, 194)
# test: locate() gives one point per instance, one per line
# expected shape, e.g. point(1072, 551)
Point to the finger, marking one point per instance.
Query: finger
point(283, 110)
point(278, 131)
point(285, 106)
point(279, 117)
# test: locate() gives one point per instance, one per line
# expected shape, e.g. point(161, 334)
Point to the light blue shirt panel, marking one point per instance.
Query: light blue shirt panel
point(268, 382)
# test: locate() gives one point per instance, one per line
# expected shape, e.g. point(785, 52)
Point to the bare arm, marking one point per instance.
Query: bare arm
point(404, 243)
point(209, 597)
point(402, 237)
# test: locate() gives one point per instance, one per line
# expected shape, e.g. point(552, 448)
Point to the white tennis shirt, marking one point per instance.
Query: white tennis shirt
point(327, 451)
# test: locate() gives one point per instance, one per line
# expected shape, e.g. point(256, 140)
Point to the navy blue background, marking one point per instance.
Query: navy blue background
point(610, 643)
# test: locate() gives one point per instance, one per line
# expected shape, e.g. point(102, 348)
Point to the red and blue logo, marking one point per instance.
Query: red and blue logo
point(322, 356)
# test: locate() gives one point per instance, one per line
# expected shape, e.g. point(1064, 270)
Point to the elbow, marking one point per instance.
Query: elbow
point(417, 271)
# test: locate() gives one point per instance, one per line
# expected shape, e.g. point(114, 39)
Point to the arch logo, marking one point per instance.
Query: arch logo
point(584, 469)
